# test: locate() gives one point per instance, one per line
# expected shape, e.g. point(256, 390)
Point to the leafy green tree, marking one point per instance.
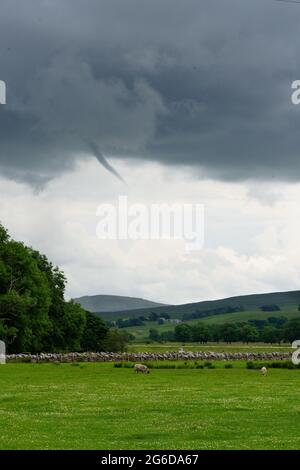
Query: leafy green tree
point(201, 333)
point(24, 296)
point(166, 336)
point(95, 333)
point(116, 340)
point(291, 330)
point(154, 335)
point(277, 321)
point(229, 332)
point(249, 334)
point(183, 333)
point(56, 340)
point(153, 316)
point(216, 332)
point(34, 315)
point(74, 322)
point(271, 334)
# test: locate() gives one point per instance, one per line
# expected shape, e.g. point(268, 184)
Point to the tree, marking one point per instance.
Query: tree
point(34, 315)
point(271, 334)
point(154, 335)
point(277, 321)
point(229, 332)
point(153, 316)
point(183, 333)
point(24, 296)
point(166, 336)
point(270, 308)
point(216, 332)
point(56, 340)
point(291, 330)
point(249, 334)
point(95, 333)
point(200, 333)
point(116, 340)
point(73, 325)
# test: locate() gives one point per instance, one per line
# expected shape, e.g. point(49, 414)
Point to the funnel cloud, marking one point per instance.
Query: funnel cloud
point(102, 160)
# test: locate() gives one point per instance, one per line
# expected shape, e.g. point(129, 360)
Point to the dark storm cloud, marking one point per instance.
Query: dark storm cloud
point(204, 83)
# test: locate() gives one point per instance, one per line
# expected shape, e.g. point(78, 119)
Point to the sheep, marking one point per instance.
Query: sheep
point(141, 368)
point(264, 371)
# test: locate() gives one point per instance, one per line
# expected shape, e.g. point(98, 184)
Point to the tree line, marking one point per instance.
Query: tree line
point(140, 320)
point(34, 315)
point(272, 330)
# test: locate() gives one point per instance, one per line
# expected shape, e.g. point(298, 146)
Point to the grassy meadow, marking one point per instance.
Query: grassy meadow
point(209, 347)
point(98, 406)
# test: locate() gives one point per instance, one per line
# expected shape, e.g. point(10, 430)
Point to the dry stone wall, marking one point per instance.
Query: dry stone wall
point(146, 356)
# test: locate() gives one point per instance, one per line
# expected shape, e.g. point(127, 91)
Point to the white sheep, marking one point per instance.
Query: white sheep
point(141, 368)
point(264, 371)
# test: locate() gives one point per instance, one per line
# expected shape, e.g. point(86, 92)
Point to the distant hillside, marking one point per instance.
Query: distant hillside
point(243, 304)
point(112, 303)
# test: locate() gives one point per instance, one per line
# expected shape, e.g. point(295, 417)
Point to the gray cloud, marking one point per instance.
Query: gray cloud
point(195, 83)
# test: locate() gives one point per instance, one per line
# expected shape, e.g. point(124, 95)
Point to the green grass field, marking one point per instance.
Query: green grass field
point(97, 406)
point(213, 347)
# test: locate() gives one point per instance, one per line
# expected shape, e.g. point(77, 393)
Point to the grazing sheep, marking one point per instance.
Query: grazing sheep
point(141, 368)
point(264, 371)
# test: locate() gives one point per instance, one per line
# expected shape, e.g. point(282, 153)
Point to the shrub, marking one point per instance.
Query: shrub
point(25, 359)
point(273, 365)
point(207, 364)
point(250, 365)
point(127, 365)
point(118, 365)
point(150, 365)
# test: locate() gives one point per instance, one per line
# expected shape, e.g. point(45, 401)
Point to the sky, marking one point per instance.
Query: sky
point(163, 102)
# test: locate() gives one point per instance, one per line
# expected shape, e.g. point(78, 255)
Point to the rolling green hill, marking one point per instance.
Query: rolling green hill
point(246, 307)
point(244, 303)
point(111, 303)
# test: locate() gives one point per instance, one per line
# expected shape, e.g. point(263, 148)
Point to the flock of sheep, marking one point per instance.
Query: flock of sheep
point(145, 370)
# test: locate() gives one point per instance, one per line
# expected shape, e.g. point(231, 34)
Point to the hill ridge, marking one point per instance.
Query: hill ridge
point(247, 301)
point(110, 303)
